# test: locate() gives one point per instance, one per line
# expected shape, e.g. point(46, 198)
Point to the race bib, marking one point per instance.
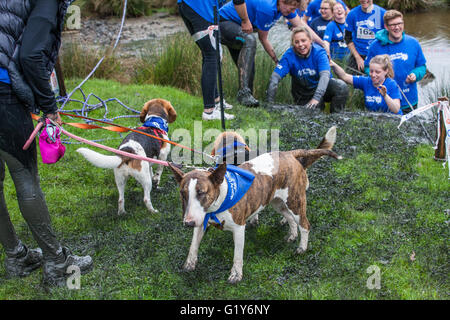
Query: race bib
point(364, 33)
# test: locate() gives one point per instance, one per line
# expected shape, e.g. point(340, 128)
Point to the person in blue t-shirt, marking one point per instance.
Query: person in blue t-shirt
point(313, 10)
point(406, 55)
point(198, 16)
point(263, 14)
point(334, 34)
point(300, 12)
point(361, 25)
point(381, 93)
point(319, 24)
point(308, 65)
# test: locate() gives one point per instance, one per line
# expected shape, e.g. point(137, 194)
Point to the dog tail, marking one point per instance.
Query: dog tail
point(308, 157)
point(100, 160)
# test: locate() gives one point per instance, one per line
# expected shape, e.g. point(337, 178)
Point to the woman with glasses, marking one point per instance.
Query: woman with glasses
point(319, 24)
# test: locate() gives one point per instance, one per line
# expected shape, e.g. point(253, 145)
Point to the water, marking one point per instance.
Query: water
point(432, 29)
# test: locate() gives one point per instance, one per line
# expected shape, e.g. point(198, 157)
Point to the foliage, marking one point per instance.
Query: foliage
point(135, 8)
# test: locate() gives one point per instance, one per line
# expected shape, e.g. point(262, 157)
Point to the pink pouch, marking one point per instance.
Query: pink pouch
point(50, 143)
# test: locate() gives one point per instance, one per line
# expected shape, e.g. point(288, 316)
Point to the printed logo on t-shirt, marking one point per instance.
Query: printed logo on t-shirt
point(399, 55)
point(306, 71)
point(374, 99)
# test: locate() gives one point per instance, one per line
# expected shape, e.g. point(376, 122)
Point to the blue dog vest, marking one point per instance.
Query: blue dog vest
point(239, 181)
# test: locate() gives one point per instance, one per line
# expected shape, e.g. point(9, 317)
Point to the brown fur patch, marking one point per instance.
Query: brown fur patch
point(158, 107)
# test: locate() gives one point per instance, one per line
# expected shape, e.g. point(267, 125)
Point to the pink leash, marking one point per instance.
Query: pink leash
point(33, 134)
point(123, 153)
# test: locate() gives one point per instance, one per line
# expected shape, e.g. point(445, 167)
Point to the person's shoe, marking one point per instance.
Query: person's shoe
point(56, 272)
point(215, 115)
point(245, 97)
point(226, 105)
point(24, 263)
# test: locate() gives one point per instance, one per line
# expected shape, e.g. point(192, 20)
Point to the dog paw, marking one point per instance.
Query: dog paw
point(121, 212)
point(254, 222)
point(283, 221)
point(234, 277)
point(300, 251)
point(189, 266)
point(291, 238)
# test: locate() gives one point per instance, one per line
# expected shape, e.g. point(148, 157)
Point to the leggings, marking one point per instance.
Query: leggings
point(15, 128)
point(194, 24)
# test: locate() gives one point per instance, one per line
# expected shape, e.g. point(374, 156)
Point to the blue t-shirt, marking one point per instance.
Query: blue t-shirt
point(4, 76)
point(305, 69)
point(203, 7)
point(363, 26)
point(405, 56)
point(319, 25)
point(313, 9)
point(334, 34)
point(299, 13)
point(374, 101)
point(263, 14)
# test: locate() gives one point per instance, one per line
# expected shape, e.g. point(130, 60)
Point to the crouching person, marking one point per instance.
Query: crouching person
point(309, 67)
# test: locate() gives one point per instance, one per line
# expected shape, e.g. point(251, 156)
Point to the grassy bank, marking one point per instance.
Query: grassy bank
point(385, 204)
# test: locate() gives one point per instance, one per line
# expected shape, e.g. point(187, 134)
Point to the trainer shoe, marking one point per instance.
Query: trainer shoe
point(245, 97)
point(215, 115)
point(23, 263)
point(56, 272)
point(226, 105)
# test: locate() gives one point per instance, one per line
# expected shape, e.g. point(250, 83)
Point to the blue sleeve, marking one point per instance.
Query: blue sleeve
point(358, 82)
point(349, 22)
point(283, 67)
point(372, 52)
point(323, 64)
point(292, 15)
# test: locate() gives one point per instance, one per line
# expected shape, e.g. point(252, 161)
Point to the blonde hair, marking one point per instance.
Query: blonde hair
point(330, 2)
point(385, 62)
point(298, 30)
point(391, 14)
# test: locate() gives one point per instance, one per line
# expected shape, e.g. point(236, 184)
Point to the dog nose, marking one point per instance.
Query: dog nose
point(190, 224)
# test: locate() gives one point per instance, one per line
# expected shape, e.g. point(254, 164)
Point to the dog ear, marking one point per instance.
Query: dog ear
point(171, 112)
point(217, 176)
point(177, 173)
point(144, 110)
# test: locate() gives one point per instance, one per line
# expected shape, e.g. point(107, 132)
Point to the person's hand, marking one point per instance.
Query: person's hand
point(246, 26)
point(382, 90)
point(312, 104)
point(360, 62)
point(411, 78)
point(55, 117)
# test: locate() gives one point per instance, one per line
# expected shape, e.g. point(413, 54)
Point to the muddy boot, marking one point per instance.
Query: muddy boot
point(245, 64)
point(23, 261)
point(56, 271)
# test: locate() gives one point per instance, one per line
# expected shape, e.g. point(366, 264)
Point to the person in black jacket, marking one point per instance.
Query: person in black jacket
point(30, 36)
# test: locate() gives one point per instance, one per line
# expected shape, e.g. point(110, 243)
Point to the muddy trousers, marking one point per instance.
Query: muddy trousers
point(336, 94)
point(15, 128)
point(242, 49)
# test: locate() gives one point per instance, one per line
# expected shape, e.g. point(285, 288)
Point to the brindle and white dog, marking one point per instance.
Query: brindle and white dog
point(155, 115)
point(280, 180)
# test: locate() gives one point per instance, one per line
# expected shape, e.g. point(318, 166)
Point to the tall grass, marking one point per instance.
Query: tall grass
point(78, 61)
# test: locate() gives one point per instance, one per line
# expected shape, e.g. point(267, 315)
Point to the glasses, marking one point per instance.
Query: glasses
point(395, 25)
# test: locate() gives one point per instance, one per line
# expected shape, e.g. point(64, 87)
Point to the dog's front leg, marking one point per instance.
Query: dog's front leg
point(191, 260)
point(238, 260)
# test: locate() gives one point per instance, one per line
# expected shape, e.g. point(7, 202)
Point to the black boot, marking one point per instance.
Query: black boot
point(23, 261)
point(56, 270)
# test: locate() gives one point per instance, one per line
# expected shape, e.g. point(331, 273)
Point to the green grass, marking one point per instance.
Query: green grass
point(385, 200)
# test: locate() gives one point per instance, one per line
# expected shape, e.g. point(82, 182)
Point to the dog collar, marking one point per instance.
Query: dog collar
point(238, 181)
point(157, 123)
